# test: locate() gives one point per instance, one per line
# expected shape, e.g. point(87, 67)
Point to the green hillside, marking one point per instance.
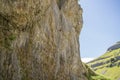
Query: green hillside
point(91, 75)
point(108, 64)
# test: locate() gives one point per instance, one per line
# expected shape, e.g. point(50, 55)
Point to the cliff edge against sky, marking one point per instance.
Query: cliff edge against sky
point(39, 40)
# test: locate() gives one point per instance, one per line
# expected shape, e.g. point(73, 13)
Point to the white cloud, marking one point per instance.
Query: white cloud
point(85, 60)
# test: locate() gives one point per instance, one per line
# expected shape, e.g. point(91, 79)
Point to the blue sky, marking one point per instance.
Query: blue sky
point(101, 27)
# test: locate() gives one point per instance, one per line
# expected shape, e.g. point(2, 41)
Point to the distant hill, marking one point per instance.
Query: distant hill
point(109, 63)
point(115, 46)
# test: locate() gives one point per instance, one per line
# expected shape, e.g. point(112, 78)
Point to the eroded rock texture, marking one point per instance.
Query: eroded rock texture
point(39, 40)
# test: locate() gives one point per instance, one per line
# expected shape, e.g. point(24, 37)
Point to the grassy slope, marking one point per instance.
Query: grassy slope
point(110, 72)
point(91, 75)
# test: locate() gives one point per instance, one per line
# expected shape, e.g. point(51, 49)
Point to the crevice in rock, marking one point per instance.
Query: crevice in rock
point(60, 3)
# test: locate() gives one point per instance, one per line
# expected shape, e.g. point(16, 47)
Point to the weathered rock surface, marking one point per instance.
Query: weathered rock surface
point(39, 40)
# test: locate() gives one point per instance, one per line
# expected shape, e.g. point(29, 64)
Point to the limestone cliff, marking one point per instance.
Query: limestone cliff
point(39, 40)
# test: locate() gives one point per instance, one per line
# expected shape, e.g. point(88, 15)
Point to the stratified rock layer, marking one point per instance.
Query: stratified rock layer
point(114, 47)
point(39, 40)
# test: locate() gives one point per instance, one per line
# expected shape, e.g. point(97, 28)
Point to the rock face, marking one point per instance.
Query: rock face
point(39, 40)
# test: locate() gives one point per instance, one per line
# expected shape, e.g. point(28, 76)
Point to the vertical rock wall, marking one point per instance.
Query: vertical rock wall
point(39, 40)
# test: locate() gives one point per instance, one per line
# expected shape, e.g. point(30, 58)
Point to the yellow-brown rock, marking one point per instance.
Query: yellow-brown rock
point(39, 40)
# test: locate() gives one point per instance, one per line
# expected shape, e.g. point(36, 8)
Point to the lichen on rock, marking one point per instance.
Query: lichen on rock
point(42, 39)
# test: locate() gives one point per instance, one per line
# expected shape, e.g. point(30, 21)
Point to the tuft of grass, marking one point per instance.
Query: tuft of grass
point(12, 37)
